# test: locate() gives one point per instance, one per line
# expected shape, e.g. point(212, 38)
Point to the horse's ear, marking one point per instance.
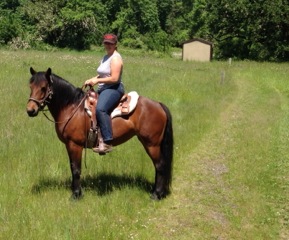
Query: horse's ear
point(32, 71)
point(48, 72)
point(48, 75)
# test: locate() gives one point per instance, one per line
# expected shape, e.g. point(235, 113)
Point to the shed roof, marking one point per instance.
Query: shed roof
point(197, 40)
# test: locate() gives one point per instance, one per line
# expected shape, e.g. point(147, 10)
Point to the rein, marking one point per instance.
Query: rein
point(67, 119)
point(48, 95)
point(42, 103)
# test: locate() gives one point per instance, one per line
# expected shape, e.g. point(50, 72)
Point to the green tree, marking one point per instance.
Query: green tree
point(249, 29)
point(10, 26)
point(164, 10)
point(72, 24)
point(10, 22)
point(244, 29)
point(136, 22)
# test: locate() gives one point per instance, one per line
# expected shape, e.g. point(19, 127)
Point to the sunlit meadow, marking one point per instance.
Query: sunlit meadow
point(230, 156)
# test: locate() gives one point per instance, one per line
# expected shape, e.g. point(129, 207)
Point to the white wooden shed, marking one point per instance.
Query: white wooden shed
point(197, 49)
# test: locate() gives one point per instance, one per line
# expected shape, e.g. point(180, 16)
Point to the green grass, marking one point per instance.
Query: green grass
point(230, 164)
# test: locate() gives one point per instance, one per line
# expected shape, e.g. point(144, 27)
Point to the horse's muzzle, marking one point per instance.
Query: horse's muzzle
point(32, 108)
point(32, 112)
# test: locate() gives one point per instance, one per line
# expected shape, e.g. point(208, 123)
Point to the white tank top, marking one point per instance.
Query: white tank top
point(104, 70)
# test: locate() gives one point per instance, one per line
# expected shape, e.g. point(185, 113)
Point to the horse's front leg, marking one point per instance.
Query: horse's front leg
point(75, 153)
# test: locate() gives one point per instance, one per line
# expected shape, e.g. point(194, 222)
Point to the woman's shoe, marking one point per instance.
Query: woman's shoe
point(103, 148)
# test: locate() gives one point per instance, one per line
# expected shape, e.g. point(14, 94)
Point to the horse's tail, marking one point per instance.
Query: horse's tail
point(167, 147)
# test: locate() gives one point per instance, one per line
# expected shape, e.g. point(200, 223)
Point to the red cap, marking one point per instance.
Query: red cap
point(109, 38)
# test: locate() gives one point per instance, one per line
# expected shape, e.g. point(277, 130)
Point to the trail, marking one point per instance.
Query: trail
point(223, 189)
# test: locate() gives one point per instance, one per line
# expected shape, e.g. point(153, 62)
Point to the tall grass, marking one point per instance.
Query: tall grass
point(230, 179)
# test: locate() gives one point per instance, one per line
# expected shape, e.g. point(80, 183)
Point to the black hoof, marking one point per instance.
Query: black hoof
point(158, 196)
point(77, 195)
point(154, 197)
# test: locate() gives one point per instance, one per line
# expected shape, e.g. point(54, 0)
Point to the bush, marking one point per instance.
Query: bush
point(158, 41)
point(18, 43)
point(10, 26)
point(133, 43)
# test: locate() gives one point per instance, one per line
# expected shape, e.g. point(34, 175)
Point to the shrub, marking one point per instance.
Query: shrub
point(10, 26)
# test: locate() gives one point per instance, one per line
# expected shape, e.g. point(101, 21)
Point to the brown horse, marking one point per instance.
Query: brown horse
point(151, 122)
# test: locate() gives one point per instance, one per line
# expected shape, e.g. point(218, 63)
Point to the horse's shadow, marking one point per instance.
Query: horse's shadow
point(102, 184)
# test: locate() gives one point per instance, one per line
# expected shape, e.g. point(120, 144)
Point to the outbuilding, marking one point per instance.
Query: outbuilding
point(197, 49)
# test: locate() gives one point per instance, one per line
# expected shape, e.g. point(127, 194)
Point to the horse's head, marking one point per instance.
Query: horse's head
point(40, 85)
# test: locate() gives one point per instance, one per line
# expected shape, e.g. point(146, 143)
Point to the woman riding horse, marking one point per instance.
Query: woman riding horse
point(151, 122)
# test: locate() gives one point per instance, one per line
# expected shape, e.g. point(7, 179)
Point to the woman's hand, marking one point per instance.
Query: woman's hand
point(91, 82)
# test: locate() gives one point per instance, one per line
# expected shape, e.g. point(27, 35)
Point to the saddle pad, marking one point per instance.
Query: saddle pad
point(131, 105)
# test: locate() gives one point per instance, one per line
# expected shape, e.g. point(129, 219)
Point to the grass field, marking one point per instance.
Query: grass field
point(231, 158)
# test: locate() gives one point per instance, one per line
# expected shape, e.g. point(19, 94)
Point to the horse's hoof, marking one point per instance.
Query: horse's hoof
point(76, 196)
point(158, 195)
point(154, 196)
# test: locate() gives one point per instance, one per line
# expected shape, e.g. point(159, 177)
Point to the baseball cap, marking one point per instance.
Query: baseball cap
point(109, 38)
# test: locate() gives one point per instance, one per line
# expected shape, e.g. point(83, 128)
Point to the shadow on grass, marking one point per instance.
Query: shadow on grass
point(102, 184)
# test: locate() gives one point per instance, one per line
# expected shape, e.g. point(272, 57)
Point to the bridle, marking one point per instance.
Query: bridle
point(48, 96)
point(42, 102)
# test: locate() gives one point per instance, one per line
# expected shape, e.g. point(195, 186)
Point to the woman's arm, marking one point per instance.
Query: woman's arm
point(115, 71)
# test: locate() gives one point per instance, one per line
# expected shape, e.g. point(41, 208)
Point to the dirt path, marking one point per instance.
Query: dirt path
point(223, 191)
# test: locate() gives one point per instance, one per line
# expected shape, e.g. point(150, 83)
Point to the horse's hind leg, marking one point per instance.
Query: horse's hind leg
point(75, 153)
point(161, 185)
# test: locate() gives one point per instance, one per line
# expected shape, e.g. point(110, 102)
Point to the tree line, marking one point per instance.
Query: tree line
point(243, 29)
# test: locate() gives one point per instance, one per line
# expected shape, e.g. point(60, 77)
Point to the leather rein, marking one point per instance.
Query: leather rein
point(45, 100)
point(48, 96)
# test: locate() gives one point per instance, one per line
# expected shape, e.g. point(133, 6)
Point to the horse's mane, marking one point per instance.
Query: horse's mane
point(66, 90)
point(61, 88)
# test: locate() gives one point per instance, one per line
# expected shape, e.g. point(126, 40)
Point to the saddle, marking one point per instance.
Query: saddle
point(126, 105)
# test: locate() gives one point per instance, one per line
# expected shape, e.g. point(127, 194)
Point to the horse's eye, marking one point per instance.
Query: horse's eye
point(43, 89)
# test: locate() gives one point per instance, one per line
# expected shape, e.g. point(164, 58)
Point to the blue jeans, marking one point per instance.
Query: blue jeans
point(108, 99)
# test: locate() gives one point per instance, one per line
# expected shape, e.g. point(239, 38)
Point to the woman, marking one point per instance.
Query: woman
point(110, 90)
